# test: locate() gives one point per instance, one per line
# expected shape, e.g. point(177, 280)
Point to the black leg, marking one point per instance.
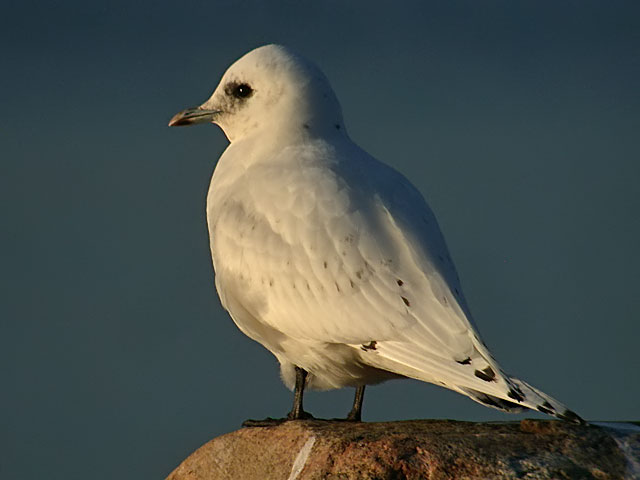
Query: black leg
point(355, 415)
point(297, 412)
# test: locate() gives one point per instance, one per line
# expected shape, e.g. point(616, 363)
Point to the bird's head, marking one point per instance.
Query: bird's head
point(269, 90)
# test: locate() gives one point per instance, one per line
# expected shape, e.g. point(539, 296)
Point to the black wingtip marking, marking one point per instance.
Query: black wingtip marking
point(545, 410)
point(572, 417)
point(369, 346)
point(495, 402)
point(406, 302)
point(466, 361)
point(515, 395)
point(486, 374)
point(400, 282)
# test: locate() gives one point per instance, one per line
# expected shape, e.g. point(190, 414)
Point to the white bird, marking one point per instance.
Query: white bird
point(330, 259)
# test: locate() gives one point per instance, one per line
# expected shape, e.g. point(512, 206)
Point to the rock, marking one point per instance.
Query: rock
point(417, 449)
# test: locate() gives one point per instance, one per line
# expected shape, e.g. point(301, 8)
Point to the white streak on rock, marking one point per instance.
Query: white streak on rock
point(301, 459)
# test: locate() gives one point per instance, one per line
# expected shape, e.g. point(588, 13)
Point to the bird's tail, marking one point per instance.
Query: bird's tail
point(524, 397)
point(477, 376)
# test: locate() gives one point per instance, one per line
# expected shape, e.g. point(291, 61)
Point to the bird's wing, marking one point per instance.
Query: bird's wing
point(319, 255)
point(350, 253)
point(441, 345)
point(441, 334)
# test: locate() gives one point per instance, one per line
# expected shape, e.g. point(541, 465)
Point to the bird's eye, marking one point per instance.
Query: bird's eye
point(240, 90)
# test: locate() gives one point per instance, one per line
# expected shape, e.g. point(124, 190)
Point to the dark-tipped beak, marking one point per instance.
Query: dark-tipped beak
point(191, 116)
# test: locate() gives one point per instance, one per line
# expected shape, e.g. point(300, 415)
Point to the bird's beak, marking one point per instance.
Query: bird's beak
point(191, 116)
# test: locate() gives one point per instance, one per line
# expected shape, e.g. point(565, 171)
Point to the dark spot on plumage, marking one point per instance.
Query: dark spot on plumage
point(353, 285)
point(515, 388)
point(337, 125)
point(400, 282)
point(547, 405)
point(545, 410)
point(337, 286)
point(305, 126)
point(271, 282)
point(308, 286)
point(466, 361)
point(359, 274)
point(445, 301)
point(486, 374)
point(489, 400)
point(406, 302)
point(324, 264)
point(369, 346)
point(494, 401)
point(573, 417)
point(515, 395)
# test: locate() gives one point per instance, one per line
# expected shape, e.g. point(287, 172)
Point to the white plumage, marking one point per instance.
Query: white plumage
point(327, 257)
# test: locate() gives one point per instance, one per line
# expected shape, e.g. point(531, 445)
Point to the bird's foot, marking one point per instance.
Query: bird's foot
point(272, 422)
point(300, 415)
point(267, 422)
point(349, 418)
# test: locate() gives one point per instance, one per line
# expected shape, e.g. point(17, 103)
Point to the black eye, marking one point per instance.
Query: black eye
point(241, 90)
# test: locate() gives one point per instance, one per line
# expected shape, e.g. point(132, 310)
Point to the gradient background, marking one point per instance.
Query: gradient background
point(518, 120)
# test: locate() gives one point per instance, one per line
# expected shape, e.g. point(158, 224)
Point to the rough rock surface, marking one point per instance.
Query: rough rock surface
point(419, 449)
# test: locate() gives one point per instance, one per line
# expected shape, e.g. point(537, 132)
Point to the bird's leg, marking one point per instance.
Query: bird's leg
point(297, 412)
point(355, 415)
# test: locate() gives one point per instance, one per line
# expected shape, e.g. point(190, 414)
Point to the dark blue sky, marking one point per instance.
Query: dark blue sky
point(518, 121)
